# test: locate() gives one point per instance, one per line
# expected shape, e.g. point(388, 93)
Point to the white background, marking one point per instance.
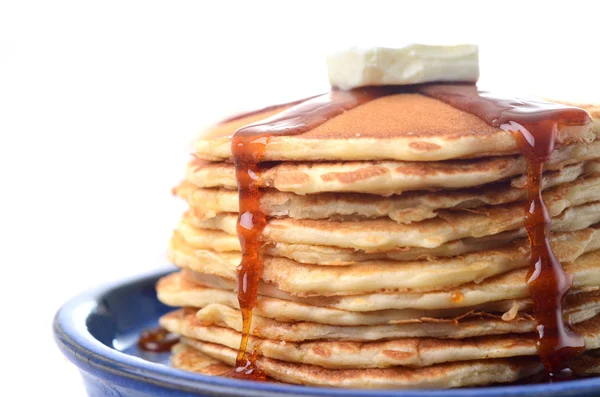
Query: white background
point(100, 99)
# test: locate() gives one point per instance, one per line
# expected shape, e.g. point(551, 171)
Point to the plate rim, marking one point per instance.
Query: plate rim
point(95, 358)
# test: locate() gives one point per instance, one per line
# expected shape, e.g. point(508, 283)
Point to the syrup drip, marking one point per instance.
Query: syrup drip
point(248, 147)
point(157, 340)
point(547, 280)
point(247, 153)
point(457, 297)
point(535, 124)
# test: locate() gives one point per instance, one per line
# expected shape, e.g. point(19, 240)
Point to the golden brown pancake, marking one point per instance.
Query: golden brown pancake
point(405, 208)
point(386, 235)
point(207, 239)
point(592, 109)
point(385, 275)
point(192, 360)
point(467, 327)
point(472, 373)
point(179, 289)
point(397, 127)
point(408, 352)
point(386, 177)
point(512, 285)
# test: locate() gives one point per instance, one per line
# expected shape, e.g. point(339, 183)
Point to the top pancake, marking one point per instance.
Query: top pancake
point(407, 127)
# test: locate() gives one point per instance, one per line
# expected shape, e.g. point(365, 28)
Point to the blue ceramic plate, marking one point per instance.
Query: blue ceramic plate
point(98, 332)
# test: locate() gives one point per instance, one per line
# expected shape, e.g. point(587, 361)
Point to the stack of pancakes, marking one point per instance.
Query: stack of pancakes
point(395, 251)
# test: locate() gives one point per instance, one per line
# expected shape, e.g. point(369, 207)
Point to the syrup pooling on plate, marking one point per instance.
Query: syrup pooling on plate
point(157, 340)
point(248, 147)
point(535, 125)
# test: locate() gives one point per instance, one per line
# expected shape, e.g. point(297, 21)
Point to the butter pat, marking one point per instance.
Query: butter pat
point(411, 64)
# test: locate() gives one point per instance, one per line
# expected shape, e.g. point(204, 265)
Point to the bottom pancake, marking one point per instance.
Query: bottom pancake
point(459, 374)
point(402, 351)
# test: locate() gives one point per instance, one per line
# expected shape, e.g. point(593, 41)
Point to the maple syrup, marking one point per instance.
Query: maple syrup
point(157, 340)
point(535, 125)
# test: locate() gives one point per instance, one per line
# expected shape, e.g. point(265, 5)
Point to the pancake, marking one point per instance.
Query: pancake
point(386, 177)
point(409, 352)
point(385, 234)
point(467, 327)
point(592, 109)
point(371, 276)
point(472, 373)
point(585, 272)
point(179, 289)
point(382, 235)
point(336, 256)
point(406, 208)
point(398, 127)
point(413, 353)
point(186, 358)
point(207, 239)
point(205, 174)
